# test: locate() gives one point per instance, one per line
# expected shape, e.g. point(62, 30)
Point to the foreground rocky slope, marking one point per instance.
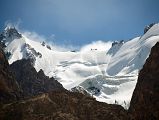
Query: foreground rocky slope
point(145, 100)
point(62, 106)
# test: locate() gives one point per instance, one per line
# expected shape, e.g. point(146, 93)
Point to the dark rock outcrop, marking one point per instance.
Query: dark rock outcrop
point(32, 82)
point(80, 89)
point(116, 45)
point(145, 100)
point(48, 47)
point(9, 89)
point(148, 27)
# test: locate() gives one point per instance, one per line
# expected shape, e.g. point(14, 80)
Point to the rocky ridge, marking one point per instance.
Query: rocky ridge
point(145, 100)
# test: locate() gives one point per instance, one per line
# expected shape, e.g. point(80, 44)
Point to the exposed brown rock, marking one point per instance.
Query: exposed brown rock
point(62, 105)
point(145, 100)
point(9, 89)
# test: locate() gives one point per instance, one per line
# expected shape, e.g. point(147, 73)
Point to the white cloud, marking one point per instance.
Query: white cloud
point(10, 23)
point(48, 40)
point(99, 45)
point(33, 36)
point(51, 40)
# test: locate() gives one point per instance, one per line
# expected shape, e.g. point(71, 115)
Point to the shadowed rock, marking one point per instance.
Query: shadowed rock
point(32, 82)
point(9, 89)
point(62, 105)
point(145, 100)
point(148, 27)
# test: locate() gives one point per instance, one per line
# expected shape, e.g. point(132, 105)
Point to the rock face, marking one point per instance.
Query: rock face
point(9, 89)
point(80, 89)
point(148, 27)
point(145, 100)
point(32, 82)
point(116, 45)
point(62, 105)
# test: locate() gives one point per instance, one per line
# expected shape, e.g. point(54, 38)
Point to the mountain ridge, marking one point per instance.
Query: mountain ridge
point(66, 105)
point(113, 75)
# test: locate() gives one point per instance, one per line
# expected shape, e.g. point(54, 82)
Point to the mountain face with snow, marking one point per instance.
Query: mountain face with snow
point(66, 105)
point(9, 34)
point(109, 74)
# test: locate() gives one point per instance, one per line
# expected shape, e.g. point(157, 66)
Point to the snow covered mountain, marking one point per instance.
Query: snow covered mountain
point(108, 70)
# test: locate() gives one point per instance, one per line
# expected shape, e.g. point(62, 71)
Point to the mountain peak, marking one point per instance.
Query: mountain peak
point(148, 27)
point(10, 33)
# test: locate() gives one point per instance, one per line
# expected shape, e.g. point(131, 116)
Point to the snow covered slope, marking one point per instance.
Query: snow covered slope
point(106, 70)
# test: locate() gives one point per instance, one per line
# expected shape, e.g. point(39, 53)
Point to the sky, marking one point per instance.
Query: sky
point(79, 22)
